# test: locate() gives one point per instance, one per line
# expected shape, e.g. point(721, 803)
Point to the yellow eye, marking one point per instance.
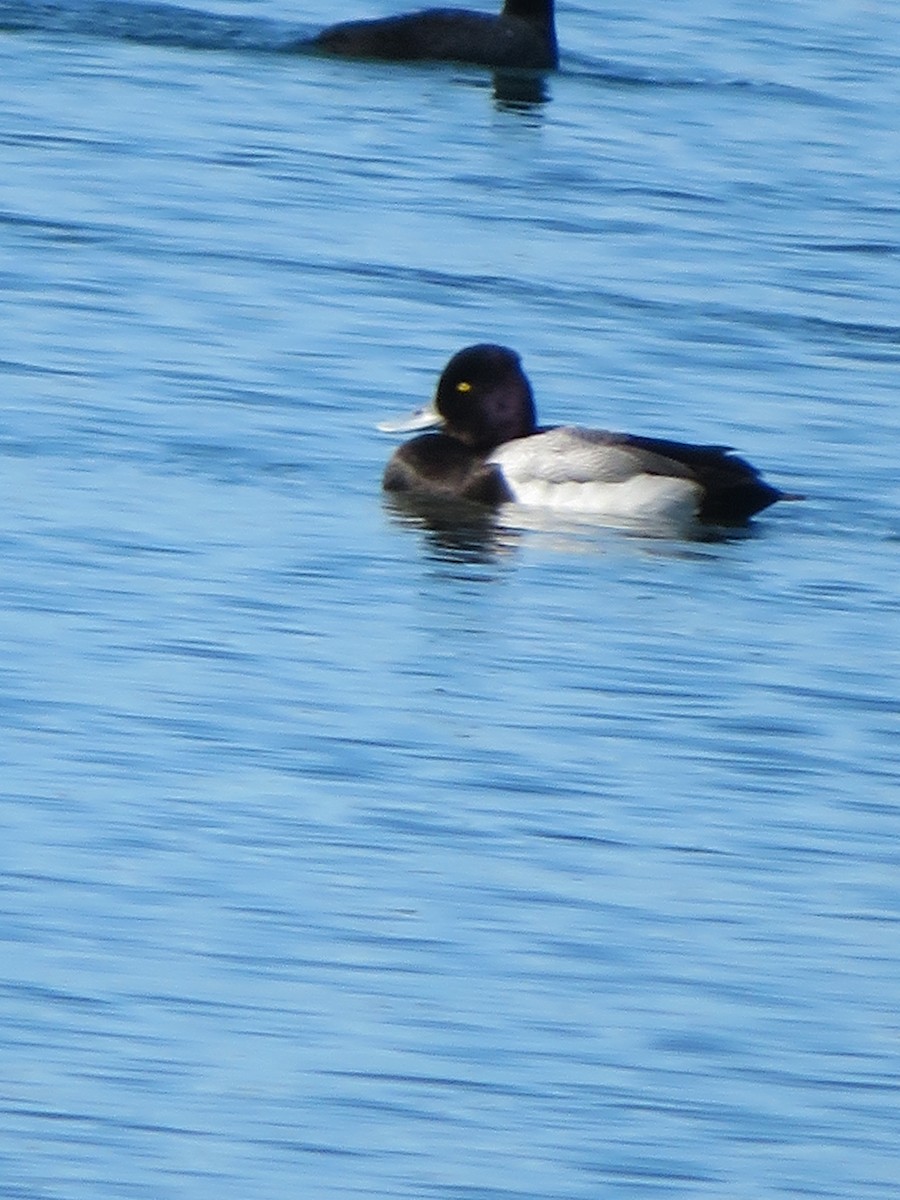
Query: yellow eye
point(462, 386)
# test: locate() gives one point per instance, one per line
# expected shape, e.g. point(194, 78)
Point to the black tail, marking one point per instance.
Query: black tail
point(734, 490)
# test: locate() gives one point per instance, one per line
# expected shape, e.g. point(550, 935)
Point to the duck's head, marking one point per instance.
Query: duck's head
point(483, 399)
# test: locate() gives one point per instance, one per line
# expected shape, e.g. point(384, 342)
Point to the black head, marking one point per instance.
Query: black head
point(485, 398)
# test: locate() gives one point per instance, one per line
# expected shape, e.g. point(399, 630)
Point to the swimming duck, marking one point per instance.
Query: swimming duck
point(490, 450)
point(523, 35)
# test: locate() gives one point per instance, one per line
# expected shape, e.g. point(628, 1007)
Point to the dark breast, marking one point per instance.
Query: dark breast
point(440, 467)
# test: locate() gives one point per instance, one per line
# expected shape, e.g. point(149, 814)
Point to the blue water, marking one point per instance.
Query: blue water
point(348, 855)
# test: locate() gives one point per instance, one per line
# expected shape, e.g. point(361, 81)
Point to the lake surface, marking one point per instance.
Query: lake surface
point(347, 854)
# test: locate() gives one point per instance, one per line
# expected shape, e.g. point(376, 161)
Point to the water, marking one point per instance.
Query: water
point(350, 855)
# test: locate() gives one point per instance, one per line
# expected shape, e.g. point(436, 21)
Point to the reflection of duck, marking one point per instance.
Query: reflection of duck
point(491, 451)
point(455, 531)
point(523, 35)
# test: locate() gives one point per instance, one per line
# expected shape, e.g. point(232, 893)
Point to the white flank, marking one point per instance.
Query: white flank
point(642, 498)
point(568, 471)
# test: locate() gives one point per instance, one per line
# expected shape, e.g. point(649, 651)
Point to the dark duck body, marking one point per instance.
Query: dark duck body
point(491, 451)
point(522, 36)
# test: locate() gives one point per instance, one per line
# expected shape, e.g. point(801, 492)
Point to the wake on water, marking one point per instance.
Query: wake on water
point(152, 24)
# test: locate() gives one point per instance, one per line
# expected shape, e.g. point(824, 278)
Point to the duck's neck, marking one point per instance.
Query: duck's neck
point(537, 12)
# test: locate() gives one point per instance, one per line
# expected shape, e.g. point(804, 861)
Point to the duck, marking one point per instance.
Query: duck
point(522, 36)
point(489, 450)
